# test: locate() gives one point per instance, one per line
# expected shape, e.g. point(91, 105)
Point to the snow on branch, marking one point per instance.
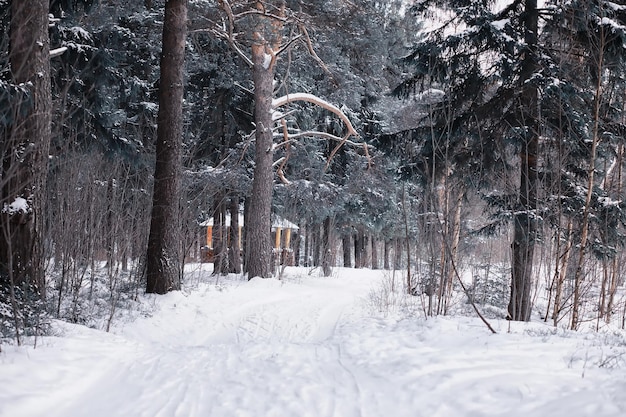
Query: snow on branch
point(57, 52)
point(322, 135)
point(310, 98)
point(290, 98)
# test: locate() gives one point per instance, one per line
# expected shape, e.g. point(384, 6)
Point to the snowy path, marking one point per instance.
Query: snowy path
point(308, 348)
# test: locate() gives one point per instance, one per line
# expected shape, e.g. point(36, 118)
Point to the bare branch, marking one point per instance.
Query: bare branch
point(323, 135)
point(247, 90)
point(263, 13)
point(278, 115)
point(335, 150)
point(288, 44)
point(230, 37)
point(281, 144)
point(280, 171)
point(309, 46)
point(279, 161)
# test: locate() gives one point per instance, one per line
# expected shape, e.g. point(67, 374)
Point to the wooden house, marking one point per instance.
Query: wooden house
point(282, 235)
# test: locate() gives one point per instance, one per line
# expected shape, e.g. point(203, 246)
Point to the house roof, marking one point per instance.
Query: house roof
point(277, 222)
point(209, 222)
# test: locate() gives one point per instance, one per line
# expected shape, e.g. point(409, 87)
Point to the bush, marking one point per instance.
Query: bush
point(23, 312)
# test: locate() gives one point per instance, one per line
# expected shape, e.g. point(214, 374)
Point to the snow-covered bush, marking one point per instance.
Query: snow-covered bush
point(23, 312)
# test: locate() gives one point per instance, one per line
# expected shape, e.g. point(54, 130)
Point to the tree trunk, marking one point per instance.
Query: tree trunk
point(295, 244)
point(560, 271)
point(346, 241)
point(162, 262)
point(25, 150)
point(234, 252)
point(327, 252)
point(615, 273)
point(360, 253)
point(452, 238)
point(316, 245)
point(307, 244)
point(374, 252)
point(584, 233)
point(525, 224)
point(220, 236)
point(612, 289)
point(109, 235)
point(258, 237)
point(397, 253)
point(386, 251)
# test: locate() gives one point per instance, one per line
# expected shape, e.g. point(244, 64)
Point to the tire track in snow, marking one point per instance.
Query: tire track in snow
point(261, 350)
point(249, 352)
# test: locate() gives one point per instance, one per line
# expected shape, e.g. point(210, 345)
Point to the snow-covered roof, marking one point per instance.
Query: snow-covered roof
point(209, 222)
point(283, 224)
point(277, 222)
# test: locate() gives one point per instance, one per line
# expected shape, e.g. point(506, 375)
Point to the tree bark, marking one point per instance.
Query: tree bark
point(307, 243)
point(525, 224)
point(360, 255)
point(316, 244)
point(220, 236)
point(296, 244)
point(25, 149)
point(357, 252)
point(584, 233)
point(327, 250)
point(234, 252)
point(162, 262)
point(386, 251)
point(375, 262)
point(397, 253)
point(616, 270)
point(346, 241)
point(265, 33)
point(560, 271)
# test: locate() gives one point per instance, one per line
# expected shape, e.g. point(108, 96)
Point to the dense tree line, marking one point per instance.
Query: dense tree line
point(504, 115)
point(534, 90)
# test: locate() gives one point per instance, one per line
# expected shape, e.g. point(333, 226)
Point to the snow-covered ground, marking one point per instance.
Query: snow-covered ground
point(310, 346)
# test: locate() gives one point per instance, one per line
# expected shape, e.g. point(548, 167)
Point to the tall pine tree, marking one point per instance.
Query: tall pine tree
point(163, 267)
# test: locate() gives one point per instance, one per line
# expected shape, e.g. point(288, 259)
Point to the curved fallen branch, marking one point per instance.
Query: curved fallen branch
point(310, 98)
point(290, 98)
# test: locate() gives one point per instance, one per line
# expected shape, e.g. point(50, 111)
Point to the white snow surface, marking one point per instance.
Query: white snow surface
point(307, 346)
point(19, 205)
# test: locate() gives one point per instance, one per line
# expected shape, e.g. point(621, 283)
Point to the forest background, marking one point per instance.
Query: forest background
point(488, 161)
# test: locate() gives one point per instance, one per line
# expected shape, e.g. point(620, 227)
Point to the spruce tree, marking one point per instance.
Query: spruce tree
point(487, 73)
point(491, 90)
